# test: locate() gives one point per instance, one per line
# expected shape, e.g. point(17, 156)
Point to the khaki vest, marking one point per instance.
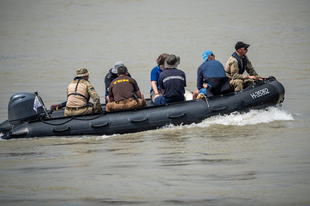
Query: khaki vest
point(78, 99)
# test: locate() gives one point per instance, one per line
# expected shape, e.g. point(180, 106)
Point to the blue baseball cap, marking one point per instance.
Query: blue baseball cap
point(206, 55)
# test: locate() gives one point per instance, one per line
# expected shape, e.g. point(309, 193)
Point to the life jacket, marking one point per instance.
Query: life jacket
point(77, 94)
point(240, 66)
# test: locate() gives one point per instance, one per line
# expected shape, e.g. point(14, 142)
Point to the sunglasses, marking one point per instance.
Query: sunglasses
point(212, 55)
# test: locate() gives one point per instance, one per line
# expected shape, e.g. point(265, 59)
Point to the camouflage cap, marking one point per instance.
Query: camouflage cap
point(82, 72)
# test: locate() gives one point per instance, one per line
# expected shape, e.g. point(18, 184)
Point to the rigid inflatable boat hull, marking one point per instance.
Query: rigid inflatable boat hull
point(114, 122)
point(259, 96)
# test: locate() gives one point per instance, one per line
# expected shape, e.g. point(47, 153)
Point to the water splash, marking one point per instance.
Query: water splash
point(252, 117)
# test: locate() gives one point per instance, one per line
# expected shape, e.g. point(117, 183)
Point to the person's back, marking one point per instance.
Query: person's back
point(124, 92)
point(79, 92)
point(172, 82)
point(110, 76)
point(123, 87)
point(213, 68)
point(211, 77)
point(209, 69)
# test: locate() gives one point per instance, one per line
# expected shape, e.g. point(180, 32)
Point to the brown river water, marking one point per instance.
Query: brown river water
point(257, 158)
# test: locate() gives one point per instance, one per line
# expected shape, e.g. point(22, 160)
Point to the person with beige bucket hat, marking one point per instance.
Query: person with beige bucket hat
point(78, 94)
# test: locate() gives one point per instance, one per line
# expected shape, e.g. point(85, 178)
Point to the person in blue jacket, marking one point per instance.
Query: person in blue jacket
point(211, 77)
point(155, 88)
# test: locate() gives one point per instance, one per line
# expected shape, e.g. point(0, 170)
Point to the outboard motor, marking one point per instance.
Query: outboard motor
point(24, 107)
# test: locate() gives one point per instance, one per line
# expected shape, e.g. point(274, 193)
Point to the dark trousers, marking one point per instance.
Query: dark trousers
point(164, 100)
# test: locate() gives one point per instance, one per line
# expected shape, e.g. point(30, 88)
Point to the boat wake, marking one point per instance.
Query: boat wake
point(252, 117)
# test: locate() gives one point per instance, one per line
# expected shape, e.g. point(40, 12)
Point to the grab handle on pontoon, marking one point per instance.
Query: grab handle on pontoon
point(100, 125)
point(177, 116)
point(139, 120)
point(219, 109)
point(63, 129)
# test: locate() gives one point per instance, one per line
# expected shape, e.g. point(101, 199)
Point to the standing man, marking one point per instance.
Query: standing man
point(211, 77)
point(172, 82)
point(124, 92)
point(78, 94)
point(237, 64)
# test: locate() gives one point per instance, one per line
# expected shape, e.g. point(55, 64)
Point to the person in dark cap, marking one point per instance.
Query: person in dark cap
point(237, 64)
point(172, 82)
point(78, 94)
point(110, 76)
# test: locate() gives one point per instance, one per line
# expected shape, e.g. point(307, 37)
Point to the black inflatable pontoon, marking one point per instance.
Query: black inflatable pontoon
point(29, 119)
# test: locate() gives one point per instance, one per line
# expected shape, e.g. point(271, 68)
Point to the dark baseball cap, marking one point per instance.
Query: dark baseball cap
point(241, 44)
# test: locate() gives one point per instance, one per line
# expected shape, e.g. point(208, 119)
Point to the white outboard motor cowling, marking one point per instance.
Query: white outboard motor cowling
point(24, 107)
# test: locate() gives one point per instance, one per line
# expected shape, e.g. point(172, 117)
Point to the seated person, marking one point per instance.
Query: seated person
point(111, 75)
point(172, 82)
point(78, 93)
point(237, 64)
point(211, 77)
point(124, 92)
point(155, 89)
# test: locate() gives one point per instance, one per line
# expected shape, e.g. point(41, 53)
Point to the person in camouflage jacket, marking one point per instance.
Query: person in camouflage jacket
point(237, 64)
point(78, 94)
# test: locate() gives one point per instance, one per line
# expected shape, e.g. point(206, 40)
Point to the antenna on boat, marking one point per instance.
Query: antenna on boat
point(42, 104)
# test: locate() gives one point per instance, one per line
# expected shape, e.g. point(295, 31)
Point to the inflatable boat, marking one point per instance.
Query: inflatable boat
point(28, 117)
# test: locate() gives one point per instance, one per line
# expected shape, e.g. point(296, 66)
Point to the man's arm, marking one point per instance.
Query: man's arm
point(138, 93)
point(199, 79)
point(96, 99)
point(154, 86)
point(110, 95)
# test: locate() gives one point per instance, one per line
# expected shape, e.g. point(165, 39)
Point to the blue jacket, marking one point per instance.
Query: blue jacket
point(207, 70)
point(155, 76)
